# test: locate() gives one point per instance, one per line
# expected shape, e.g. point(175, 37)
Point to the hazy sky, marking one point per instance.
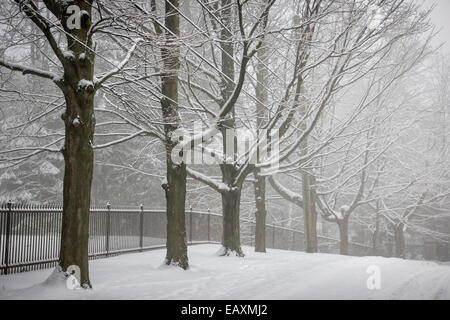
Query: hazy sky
point(441, 18)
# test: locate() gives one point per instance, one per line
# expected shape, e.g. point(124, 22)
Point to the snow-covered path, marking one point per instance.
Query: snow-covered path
point(276, 275)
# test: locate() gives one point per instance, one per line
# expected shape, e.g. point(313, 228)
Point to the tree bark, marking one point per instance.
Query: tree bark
point(231, 238)
point(231, 199)
point(175, 189)
point(343, 235)
point(78, 171)
point(261, 213)
point(399, 241)
point(376, 231)
point(78, 152)
point(175, 192)
point(260, 184)
point(310, 213)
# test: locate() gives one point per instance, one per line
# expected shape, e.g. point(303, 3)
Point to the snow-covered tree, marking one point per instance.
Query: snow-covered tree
point(69, 29)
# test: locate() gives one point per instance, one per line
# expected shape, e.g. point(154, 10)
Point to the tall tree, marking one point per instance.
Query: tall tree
point(175, 188)
point(67, 27)
point(261, 94)
point(230, 188)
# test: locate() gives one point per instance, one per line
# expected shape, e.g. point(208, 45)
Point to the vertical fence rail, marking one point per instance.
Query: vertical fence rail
point(108, 227)
point(190, 224)
point(8, 236)
point(141, 228)
point(209, 225)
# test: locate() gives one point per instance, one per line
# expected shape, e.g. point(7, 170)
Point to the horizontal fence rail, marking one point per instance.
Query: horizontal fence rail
point(30, 234)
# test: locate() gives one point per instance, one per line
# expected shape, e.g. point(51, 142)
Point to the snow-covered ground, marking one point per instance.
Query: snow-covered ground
point(277, 274)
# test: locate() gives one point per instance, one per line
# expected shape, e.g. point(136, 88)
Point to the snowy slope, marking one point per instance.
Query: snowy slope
point(276, 275)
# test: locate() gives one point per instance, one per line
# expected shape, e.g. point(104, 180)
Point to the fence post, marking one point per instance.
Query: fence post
point(190, 223)
point(141, 235)
point(108, 222)
point(8, 235)
point(209, 222)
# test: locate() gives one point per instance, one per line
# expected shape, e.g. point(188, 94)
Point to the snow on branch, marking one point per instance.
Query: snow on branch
point(29, 70)
point(131, 168)
point(285, 192)
point(129, 137)
point(119, 67)
point(218, 186)
point(32, 11)
point(325, 211)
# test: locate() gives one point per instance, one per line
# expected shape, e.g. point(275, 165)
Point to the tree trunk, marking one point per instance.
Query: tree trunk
point(311, 224)
point(307, 212)
point(78, 170)
point(231, 237)
point(399, 240)
point(343, 235)
point(78, 154)
point(376, 231)
point(230, 200)
point(260, 184)
point(175, 189)
point(261, 213)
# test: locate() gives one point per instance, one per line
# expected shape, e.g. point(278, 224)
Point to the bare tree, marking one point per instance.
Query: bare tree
point(70, 37)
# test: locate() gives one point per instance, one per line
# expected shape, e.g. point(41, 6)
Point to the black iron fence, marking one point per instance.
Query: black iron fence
point(30, 234)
